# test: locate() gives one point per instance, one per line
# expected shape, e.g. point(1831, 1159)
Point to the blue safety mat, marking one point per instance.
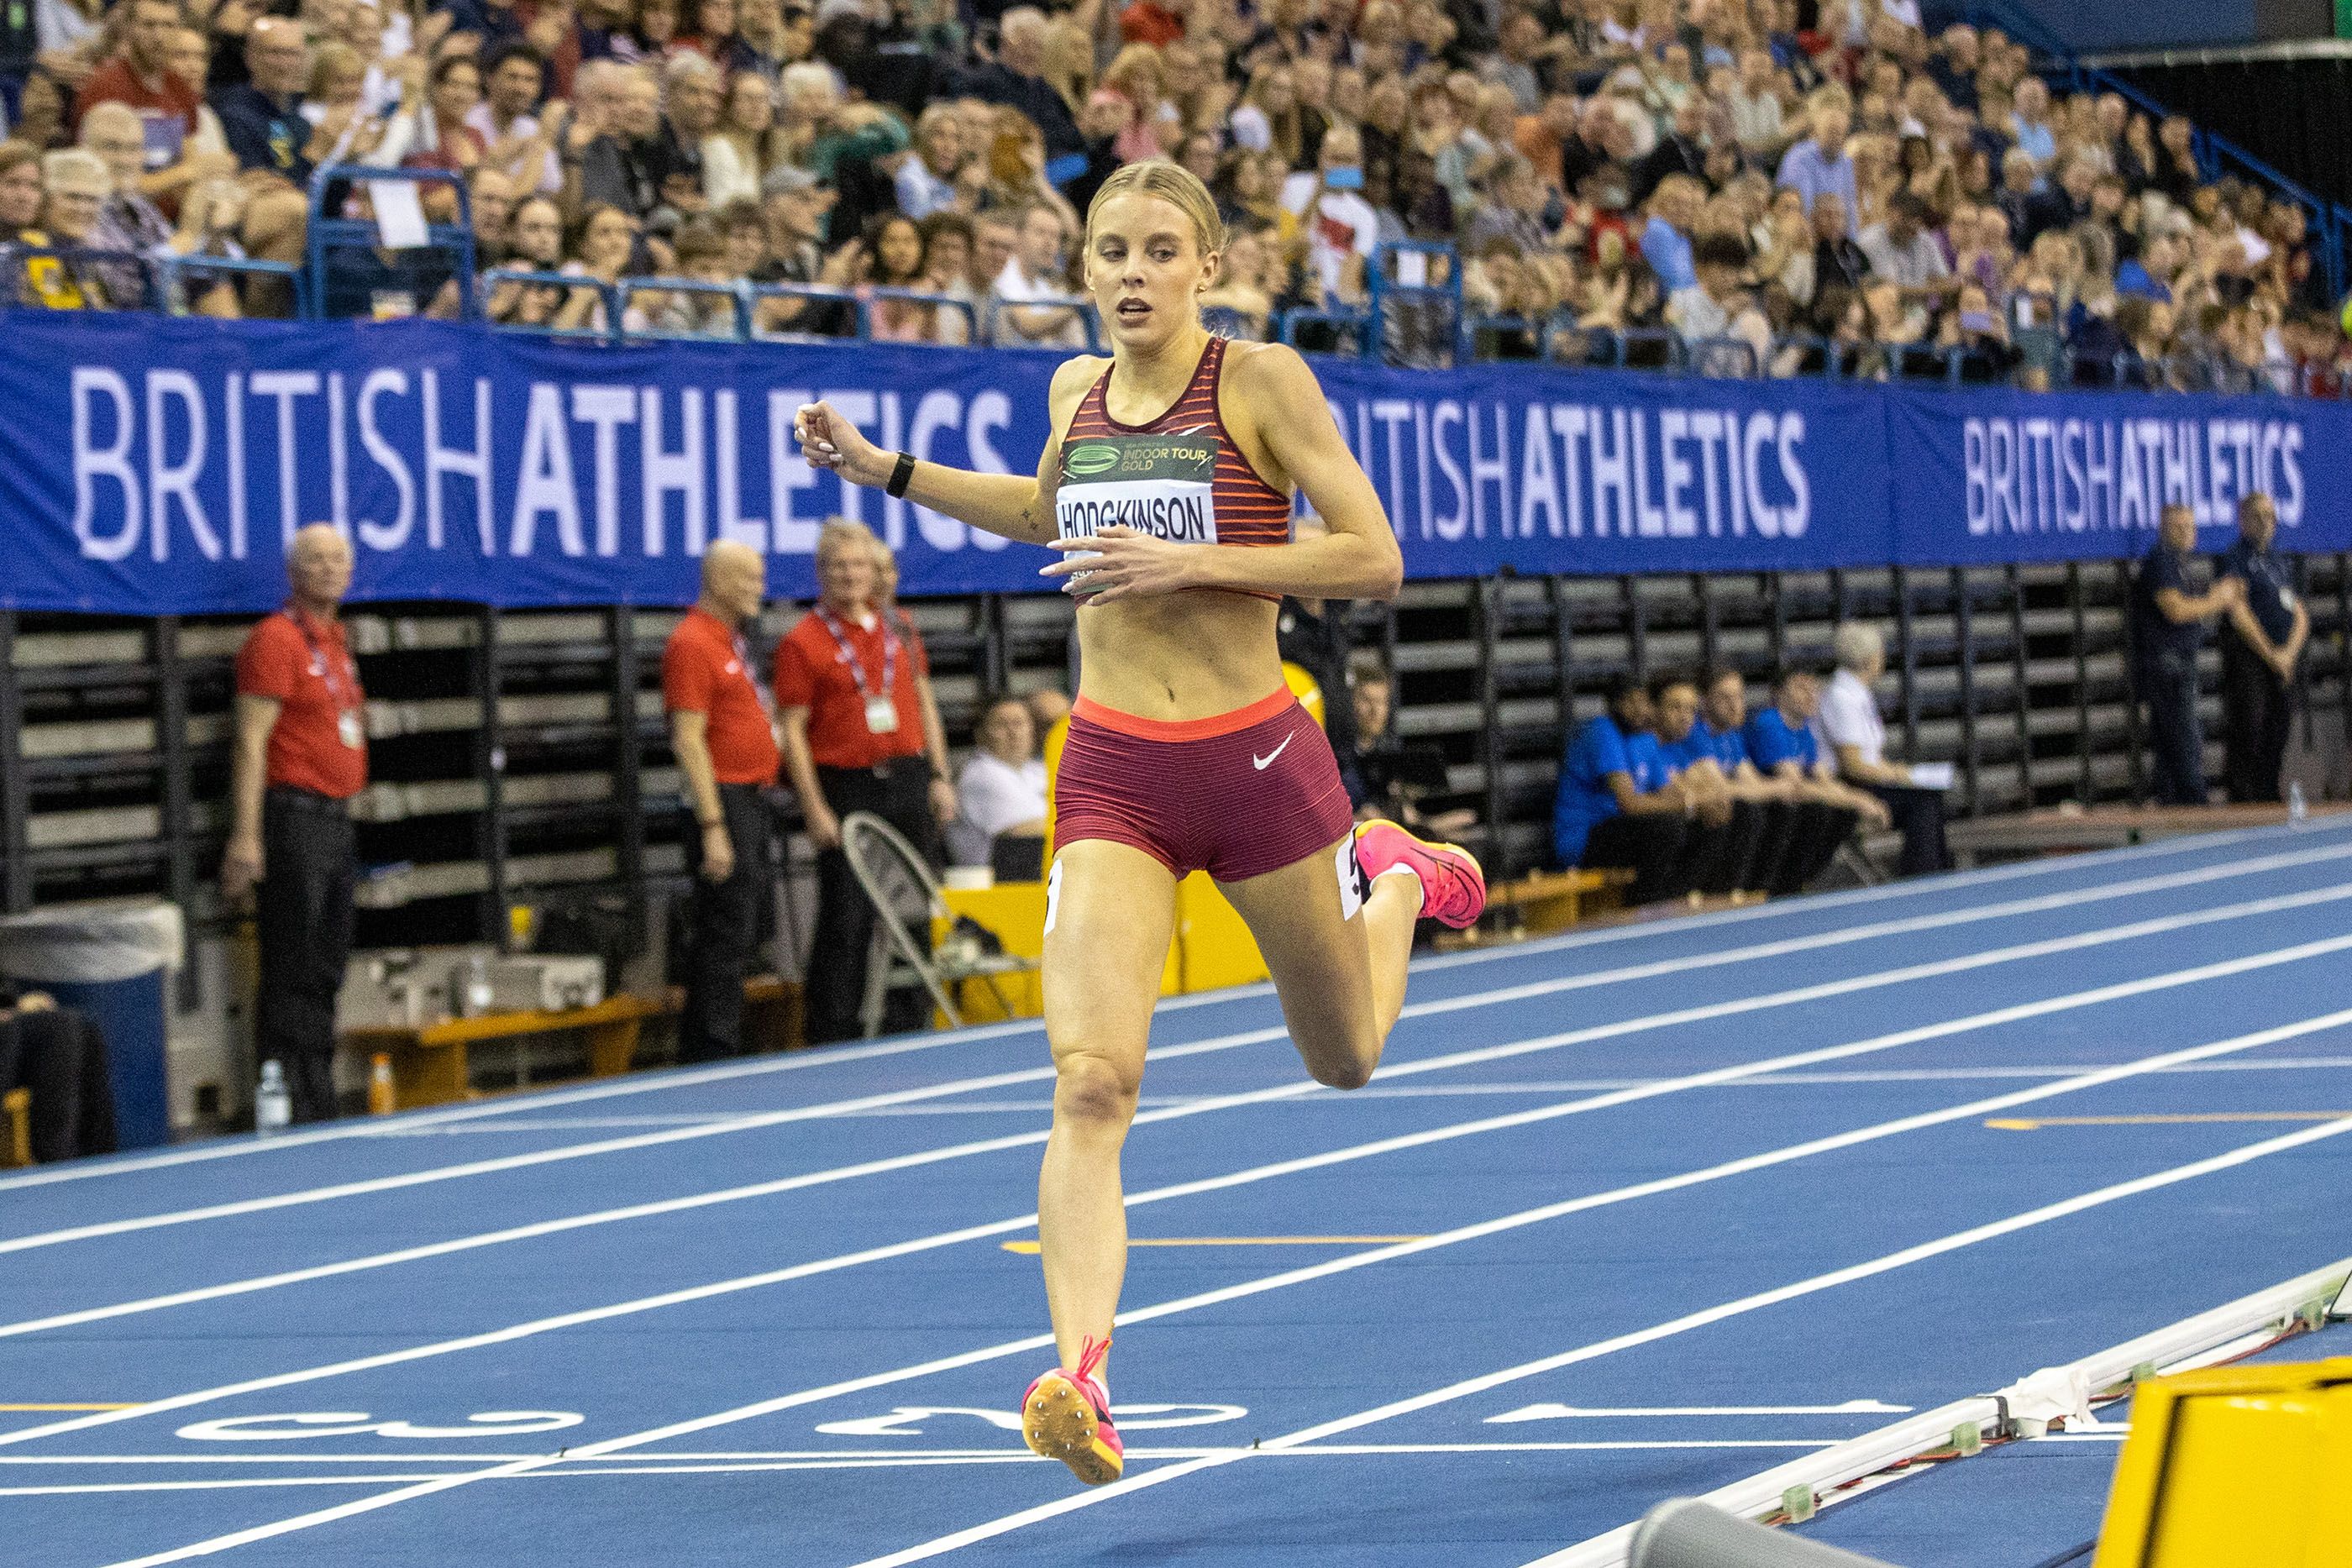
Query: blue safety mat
point(1626, 1215)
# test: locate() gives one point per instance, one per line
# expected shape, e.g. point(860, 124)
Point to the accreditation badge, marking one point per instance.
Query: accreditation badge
point(347, 726)
point(881, 715)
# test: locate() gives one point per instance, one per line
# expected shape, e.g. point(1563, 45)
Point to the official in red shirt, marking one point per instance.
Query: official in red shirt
point(301, 755)
point(861, 734)
point(722, 732)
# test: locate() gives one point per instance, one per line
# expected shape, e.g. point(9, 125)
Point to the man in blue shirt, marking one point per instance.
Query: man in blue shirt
point(1666, 238)
point(2258, 652)
point(2168, 620)
point(1821, 163)
point(1616, 806)
point(1720, 849)
point(1781, 744)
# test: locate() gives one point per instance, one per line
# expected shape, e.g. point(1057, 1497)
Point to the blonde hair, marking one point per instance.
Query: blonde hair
point(1172, 183)
point(842, 533)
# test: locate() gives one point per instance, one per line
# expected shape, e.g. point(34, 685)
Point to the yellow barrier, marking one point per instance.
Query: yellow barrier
point(1212, 948)
point(2236, 1465)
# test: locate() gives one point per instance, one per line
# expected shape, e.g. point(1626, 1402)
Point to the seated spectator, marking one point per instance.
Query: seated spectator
point(1340, 227)
point(1781, 746)
point(1667, 243)
point(75, 185)
point(609, 147)
point(605, 244)
point(1857, 739)
point(261, 119)
point(1903, 252)
point(1241, 302)
point(1384, 765)
point(1002, 788)
point(517, 141)
point(925, 180)
point(895, 253)
point(1037, 272)
point(1820, 166)
point(1725, 833)
point(1016, 80)
point(56, 1055)
point(20, 193)
point(130, 221)
point(536, 245)
point(1616, 806)
point(701, 252)
point(433, 133)
point(737, 154)
point(1718, 307)
point(164, 108)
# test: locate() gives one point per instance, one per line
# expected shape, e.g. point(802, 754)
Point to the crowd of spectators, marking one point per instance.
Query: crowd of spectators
point(1818, 178)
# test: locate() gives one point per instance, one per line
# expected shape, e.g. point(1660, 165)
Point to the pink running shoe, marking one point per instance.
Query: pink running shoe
point(1065, 1416)
point(1453, 888)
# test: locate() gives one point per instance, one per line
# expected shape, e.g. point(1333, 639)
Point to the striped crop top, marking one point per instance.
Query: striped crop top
point(1180, 476)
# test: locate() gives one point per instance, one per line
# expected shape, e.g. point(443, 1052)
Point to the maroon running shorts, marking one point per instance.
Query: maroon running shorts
point(1236, 796)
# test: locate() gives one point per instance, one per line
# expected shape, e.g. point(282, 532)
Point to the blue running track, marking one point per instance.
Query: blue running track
point(1625, 1215)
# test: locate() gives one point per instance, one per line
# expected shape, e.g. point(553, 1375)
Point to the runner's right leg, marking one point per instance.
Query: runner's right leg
point(1112, 914)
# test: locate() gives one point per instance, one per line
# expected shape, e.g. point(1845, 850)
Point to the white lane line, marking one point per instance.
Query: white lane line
point(621, 1464)
point(1358, 1261)
point(1957, 1241)
point(680, 1078)
point(1445, 1005)
point(1303, 1088)
point(911, 1460)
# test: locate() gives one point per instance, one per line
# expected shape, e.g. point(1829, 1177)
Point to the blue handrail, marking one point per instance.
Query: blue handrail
point(609, 293)
point(2331, 223)
point(325, 230)
point(174, 270)
point(738, 295)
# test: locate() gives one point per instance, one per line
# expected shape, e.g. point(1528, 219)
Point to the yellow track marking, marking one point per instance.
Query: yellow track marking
point(2020, 1125)
point(1029, 1249)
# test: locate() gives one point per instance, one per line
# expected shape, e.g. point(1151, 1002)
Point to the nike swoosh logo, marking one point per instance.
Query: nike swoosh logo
point(1262, 763)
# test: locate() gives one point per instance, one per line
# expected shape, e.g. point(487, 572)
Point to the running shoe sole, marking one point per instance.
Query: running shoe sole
point(1058, 1422)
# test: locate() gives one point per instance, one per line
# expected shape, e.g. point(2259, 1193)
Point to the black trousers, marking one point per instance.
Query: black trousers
point(56, 1055)
point(1718, 858)
point(1816, 830)
point(2257, 711)
point(726, 927)
point(305, 924)
point(1920, 817)
point(1650, 846)
point(900, 794)
point(2168, 684)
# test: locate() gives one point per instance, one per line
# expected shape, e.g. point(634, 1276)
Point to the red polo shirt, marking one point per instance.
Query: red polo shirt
point(813, 671)
point(166, 111)
point(706, 669)
point(303, 664)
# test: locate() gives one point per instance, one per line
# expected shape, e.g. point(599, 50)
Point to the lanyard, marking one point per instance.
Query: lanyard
point(844, 655)
point(324, 666)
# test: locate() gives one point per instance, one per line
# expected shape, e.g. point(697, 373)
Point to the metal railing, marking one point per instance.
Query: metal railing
point(326, 231)
point(2330, 221)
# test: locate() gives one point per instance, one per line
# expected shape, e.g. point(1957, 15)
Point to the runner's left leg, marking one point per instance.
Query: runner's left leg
point(1340, 976)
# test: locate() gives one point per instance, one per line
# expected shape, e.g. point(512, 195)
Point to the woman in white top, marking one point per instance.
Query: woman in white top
point(735, 156)
point(1002, 789)
point(1857, 739)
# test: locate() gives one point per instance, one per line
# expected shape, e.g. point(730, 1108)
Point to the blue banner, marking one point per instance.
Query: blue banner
point(158, 465)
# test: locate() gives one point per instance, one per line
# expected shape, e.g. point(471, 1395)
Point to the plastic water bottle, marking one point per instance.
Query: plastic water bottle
point(382, 1098)
point(2295, 810)
point(273, 1107)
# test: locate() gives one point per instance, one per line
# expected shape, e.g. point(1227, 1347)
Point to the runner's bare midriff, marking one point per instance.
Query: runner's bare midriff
point(1194, 654)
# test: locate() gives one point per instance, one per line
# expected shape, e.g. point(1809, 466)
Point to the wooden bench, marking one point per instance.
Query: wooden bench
point(430, 1064)
point(1549, 901)
point(17, 1134)
point(2063, 831)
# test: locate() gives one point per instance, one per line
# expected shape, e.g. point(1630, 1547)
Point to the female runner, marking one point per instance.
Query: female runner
point(1186, 751)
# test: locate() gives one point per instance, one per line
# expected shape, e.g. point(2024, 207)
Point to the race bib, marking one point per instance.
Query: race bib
point(1160, 485)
